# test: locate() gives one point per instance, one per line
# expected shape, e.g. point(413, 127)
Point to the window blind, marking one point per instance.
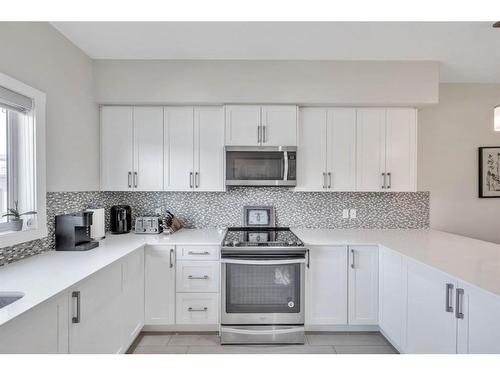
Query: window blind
point(14, 101)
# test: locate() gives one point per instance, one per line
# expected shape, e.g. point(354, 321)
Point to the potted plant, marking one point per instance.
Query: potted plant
point(15, 217)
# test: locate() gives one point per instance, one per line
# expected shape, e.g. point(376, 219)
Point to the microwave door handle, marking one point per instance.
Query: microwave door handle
point(285, 169)
point(262, 262)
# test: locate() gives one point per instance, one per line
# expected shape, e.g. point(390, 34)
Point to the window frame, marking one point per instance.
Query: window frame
point(38, 117)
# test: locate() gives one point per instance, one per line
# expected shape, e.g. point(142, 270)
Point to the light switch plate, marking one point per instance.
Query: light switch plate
point(158, 210)
point(353, 213)
point(345, 213)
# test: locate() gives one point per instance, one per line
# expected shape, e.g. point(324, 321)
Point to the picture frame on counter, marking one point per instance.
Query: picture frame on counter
point(489, 172)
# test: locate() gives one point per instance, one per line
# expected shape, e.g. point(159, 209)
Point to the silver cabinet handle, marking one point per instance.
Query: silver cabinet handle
point(324, 180)
point(190, 309)
point(191, 179)
point(329, 180)
point(205, 277)
point(76, 319)
point(264, 134)
point(308, 259)
point(129, 178)
point(199, 252)
point(259, 132)
point(171, 256)
point(449, 298)
point(196, 180)
point(459, 314)
point(383, 179)
point(135, 179)
point(353, 264)
point(390, 180)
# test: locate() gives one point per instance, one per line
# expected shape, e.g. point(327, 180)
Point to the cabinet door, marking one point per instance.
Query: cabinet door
point(148, 148)
point(197, 276)
point(326, 286)
point(179, 148)
point(279, 125)
point(243, 125)
point(99, 329)
point(159, 285)
point(430, 328)
point(370, 149)
point(312, 150)
point(392, 296)
point(209, 148)
point(363, 285)
point(116, 148)
point(479, 329)
point(41, 330)
point(197, 308)
point(133, 296)
point(401, 151)
point(341, 159)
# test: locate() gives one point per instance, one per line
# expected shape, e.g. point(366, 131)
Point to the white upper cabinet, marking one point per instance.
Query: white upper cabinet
point(131, 148)
point(268, 125)
point(279, 125)
point(370, 164)
point(401, 149)
point(327, 149)
point(148, 148)
point(386, 149)
point(116, 148)
point(326, 286)
point(363, 285)
point(341, 149)
point(209, 148)
point(179, 148)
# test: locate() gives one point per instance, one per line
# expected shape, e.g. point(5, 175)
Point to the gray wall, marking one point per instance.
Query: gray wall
point(236, 81)
point(448, 137)
point(38, 55)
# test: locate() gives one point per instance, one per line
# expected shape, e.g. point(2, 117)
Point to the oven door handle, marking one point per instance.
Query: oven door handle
point(262, 262)
point(285, 169)
point(263, 332)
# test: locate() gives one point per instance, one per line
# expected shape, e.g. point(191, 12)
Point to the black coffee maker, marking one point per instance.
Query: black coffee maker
point(121, 219)
point(73, 232)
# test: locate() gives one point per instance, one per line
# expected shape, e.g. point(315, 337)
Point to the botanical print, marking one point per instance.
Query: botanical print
point(489, 172)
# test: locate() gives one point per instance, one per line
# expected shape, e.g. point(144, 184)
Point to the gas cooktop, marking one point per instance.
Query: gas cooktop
point(272, 237)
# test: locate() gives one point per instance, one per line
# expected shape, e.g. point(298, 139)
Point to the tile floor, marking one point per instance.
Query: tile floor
point(331, 343)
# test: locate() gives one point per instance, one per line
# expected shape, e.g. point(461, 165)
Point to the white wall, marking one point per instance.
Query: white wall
point(236, 81)
point(38, 55)
point(449, 135)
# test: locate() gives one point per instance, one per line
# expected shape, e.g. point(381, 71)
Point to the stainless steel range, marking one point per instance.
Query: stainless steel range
point(263, 278)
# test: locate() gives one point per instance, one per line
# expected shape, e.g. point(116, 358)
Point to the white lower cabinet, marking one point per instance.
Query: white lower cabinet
point(197, 308)
point(41, 330)
point(133, 296)
point(159, 285)
point(363, 285)
point(326, 286)
point(196, 276)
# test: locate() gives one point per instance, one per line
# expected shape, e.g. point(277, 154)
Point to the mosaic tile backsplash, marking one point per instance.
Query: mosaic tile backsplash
point(217, 210)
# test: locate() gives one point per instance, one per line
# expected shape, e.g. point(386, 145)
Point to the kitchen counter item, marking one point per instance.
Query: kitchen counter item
point(121, 219)
point(73, 232)
point(148, 225)
point(98, 227)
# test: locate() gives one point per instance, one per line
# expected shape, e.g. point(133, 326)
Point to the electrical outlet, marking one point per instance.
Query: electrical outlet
point(353, 213)
point(345, 213)
point(158, 210)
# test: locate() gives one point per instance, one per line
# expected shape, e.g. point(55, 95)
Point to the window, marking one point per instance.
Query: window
point(22, 162)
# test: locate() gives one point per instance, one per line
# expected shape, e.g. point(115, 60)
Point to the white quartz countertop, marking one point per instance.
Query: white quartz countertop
point(473, 261)
point(43, 276)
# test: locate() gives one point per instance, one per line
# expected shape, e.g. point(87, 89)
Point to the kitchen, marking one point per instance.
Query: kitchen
point(245, 206)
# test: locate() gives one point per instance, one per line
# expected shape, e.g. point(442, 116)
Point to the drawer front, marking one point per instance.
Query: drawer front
point(197, 276)
point(197, 252)
point(197, 308)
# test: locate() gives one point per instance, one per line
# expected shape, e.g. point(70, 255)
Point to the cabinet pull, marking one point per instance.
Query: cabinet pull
point(459, 314)
point(135, 179)
point(449, 298)
point(190, 309)
point(129, 178)
point(329, 180)
point(199, 252)
point(191, 179)
point(259, 134)
point(308, 259)
point(353, 264)
point(171, 256)
point(76, 319)
point(324, 180)
point(383, 179)
point(191, 277)
point(264, 134)
point(390, 180)
point(196, 180)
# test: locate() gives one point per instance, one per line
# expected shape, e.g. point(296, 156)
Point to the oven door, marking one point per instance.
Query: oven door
point(261, 166)
point(262, 291)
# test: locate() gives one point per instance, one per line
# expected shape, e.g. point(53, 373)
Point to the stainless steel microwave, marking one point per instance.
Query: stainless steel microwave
point(261, 165)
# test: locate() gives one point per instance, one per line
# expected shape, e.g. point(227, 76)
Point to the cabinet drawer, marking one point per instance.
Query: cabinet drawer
point(197, 252)
point(197, 308)
point(197, 276)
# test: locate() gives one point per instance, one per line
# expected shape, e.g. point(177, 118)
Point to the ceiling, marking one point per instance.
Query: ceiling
point(468, 51)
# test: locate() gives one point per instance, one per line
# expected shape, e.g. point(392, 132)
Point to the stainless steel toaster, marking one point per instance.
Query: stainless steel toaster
point(148, 225)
